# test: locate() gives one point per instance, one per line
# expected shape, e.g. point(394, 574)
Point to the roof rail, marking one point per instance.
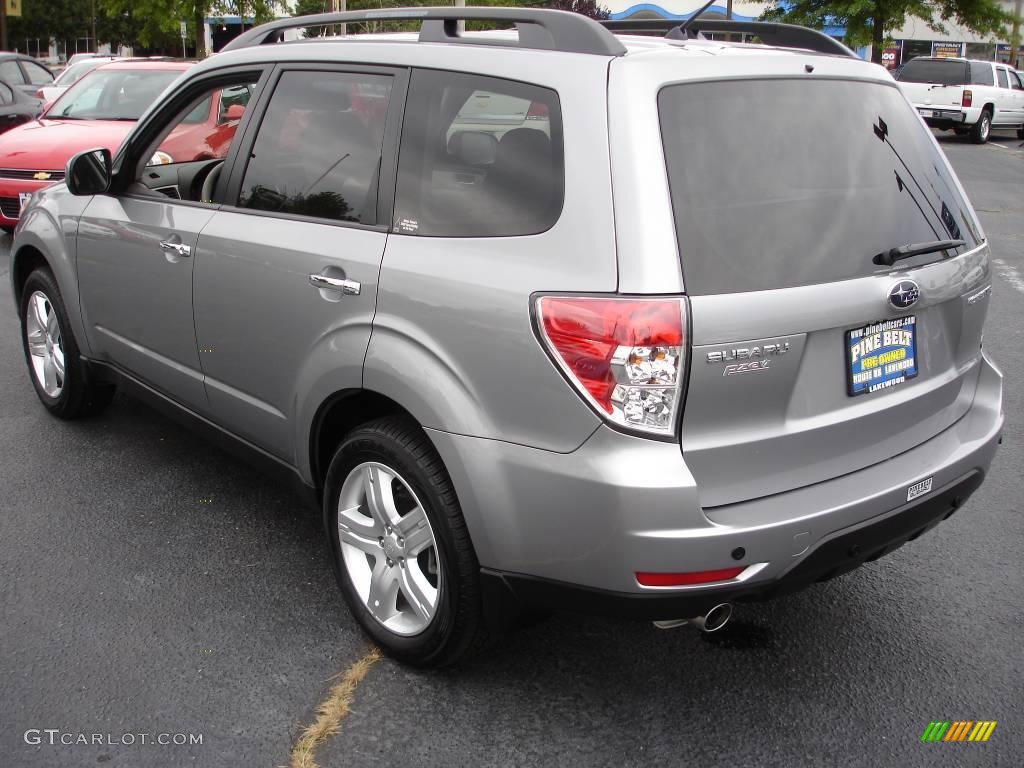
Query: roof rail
point(772, 33)
point(538, 28)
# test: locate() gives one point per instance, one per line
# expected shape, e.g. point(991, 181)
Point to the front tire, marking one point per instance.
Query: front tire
point(981, 129)
point(401, 550)
point(51, 351)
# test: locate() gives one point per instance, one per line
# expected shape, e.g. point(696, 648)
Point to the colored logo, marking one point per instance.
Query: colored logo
point(41, 176)
point(904, 294)
point(958, 730)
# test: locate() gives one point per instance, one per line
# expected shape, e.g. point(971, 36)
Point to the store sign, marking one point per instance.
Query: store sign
point(947, 50)
point(891, 58)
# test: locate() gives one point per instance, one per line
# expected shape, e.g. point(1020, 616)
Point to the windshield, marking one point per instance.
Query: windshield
point(112, 94)
point(74, 73)
point(934, 71)
point(779, 183)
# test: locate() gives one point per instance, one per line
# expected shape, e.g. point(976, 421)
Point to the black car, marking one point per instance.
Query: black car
point(16, 107)
point(23, 72)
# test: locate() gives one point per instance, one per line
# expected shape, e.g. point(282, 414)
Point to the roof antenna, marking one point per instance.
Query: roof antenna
point(682, 32)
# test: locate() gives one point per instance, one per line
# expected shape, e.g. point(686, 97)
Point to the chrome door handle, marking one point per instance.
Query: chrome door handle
point(348, 287)
point(178, 249)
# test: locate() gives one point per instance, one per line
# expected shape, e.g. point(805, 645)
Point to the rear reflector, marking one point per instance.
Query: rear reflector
point(684, 579)
point(625, 356)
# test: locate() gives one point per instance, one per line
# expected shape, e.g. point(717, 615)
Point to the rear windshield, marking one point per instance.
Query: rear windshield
point(779, 183)
point(934, 71)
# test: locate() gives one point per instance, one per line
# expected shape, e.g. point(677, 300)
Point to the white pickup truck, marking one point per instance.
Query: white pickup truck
point(970, 97)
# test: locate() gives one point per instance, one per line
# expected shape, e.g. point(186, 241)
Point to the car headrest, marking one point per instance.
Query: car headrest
point(473, 147)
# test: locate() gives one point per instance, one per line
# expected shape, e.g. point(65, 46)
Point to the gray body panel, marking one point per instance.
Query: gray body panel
point(277, 343)
point(137, 299)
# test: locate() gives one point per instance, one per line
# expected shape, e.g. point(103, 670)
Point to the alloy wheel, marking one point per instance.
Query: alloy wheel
point(388, 548)
point(45, 344)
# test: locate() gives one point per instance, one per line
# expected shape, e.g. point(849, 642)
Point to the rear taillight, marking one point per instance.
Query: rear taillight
point(967, 99)
point(627, 357)
point(538, 111)
point(40, 94)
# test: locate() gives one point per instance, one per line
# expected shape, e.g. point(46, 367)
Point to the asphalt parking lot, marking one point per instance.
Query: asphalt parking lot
point(150, 584)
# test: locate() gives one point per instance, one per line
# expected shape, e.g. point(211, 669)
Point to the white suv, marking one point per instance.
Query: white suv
point(971, 97)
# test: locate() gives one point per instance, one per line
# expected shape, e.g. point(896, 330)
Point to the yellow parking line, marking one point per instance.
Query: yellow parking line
point(331, 711)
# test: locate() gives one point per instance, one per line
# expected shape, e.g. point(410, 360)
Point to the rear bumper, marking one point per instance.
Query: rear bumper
point(948, 116)
point(571, 530)
point(510, 593)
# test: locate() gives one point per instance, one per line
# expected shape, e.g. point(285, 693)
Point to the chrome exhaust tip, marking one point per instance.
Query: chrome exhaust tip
point(712, 621)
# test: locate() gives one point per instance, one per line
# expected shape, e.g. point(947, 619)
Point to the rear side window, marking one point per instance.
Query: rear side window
point(981, 74)
point(1001, 74)
point(11, 73)
point(828, 175)
point(480, 157)
point(318, 149)
point(37, 74)
point(939, 71)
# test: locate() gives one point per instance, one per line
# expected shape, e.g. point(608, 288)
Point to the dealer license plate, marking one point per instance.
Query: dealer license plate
point(881, 355)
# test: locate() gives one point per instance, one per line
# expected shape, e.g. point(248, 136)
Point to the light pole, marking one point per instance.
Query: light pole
point(1015, 36)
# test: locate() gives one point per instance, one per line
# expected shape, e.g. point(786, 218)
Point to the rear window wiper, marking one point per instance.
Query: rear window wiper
point(890, 257)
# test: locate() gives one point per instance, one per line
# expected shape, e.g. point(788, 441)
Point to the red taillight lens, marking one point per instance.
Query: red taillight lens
point(626, 356)
point(538, 111)
point(39, 94)
point(967, 99)
point(685, 579)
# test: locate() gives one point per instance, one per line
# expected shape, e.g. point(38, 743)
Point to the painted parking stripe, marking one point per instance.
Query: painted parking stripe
point(1009, 274)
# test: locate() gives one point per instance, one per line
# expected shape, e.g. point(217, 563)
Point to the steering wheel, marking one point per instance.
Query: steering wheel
point(210, 182)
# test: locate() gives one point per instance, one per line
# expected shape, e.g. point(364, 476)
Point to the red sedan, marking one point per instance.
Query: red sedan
point(98, 111)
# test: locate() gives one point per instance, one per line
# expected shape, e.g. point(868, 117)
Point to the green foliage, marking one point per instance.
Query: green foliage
point(984, 17)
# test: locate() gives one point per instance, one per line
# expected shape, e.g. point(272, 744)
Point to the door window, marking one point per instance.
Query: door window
point(37, 75)
point(480, 157)
point(1015, 82)
point(1001, 74)
point(6, 96)
point(11, 73)
point(318, 149)
point(185, 161)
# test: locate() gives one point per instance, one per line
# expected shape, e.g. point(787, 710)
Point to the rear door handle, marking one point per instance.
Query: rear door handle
point(348, 287)
point(178, 249)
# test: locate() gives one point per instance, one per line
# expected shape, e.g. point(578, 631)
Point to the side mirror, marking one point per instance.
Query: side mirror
point(88, 173)
point(234, 112)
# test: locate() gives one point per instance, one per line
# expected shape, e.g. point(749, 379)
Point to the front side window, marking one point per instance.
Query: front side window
point(37, 74)
point(480, 157)
point(318, 149)
point(1015, 81)
point(201, 134)
point(112, 94)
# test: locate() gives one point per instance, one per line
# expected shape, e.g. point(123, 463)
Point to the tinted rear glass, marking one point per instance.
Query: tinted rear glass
point(981, 74)
point(935, 71)
point(779, 183)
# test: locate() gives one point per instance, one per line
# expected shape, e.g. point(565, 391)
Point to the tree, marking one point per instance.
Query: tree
point(586, 7)
point(871, 21)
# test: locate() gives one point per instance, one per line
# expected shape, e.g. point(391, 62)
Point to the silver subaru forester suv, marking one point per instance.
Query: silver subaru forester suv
point(552, 318)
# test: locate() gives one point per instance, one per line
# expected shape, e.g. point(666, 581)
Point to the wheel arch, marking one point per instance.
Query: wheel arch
point(337, 416)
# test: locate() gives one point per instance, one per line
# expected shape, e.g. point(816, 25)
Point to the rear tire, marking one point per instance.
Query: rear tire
point(51, 352)
point(419, 599)
point(981, 129)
